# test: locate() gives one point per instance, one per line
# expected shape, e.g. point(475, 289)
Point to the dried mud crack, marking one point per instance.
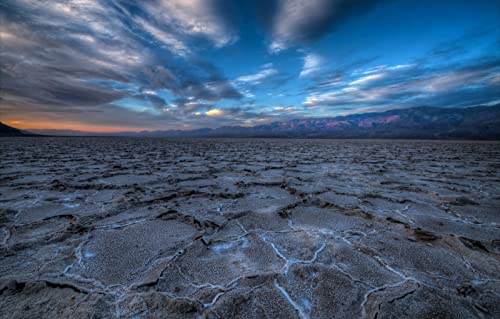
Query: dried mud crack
point(158, 228)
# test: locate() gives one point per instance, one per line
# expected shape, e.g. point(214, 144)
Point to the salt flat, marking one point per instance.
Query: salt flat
point(249, 228)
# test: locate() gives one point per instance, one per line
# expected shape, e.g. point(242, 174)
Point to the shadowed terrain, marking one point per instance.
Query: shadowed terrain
point(6, 130)
point(249, 228)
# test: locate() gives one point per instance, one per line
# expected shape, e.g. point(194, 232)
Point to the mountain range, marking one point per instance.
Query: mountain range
point(480, 122)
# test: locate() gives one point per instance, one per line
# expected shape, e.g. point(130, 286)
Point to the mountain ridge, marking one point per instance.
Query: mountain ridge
point(424, 122)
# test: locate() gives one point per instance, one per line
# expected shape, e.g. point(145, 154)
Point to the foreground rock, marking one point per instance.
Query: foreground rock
point(153, 228)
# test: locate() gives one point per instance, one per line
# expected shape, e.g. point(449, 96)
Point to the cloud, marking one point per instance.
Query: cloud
point(171, 42)
point(204, 18)
point(145, 64)
point(456, 79)
point(259, 76)
point(212, 91)
point(367, 79)
point(292, 22)
point(157, 102)
point(412, 85)
point(312, 64)
point(195, 106)
point(79, 56)
point(287, 109)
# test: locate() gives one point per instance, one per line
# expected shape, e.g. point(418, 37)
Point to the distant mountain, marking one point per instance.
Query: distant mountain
point(421, 122)
point(480, 122)
point(6, 130)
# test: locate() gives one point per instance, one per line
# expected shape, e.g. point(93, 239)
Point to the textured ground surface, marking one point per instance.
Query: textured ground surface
point(152, 228)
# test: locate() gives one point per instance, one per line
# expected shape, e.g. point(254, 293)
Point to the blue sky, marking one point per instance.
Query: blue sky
point(183, 64)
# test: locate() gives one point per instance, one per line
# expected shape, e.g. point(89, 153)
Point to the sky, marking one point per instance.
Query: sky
point(123, 65)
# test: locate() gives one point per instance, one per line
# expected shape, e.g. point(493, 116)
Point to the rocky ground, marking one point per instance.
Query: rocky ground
point(155, 228)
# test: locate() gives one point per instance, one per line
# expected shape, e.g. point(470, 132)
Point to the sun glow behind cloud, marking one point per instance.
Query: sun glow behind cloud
point(215, 112)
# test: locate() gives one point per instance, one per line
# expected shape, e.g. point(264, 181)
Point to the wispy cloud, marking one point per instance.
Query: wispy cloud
point(312, 64)
point(170, 41)
point(412, 86)
point(368, 78)
point(258, 77)
point(203, 18)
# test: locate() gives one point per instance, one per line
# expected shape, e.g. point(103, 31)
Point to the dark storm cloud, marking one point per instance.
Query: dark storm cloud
point(295, 22)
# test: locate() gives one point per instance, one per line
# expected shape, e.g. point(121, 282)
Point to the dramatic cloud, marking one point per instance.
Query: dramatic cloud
point(83, 55)
point(203, 18)
point(171, 42)
point(300, 22)
point(166, 64)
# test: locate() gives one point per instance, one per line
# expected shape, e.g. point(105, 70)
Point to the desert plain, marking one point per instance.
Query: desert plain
point(248, 228)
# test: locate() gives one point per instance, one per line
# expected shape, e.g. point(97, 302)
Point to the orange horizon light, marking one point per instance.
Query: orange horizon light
point(36, 125)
